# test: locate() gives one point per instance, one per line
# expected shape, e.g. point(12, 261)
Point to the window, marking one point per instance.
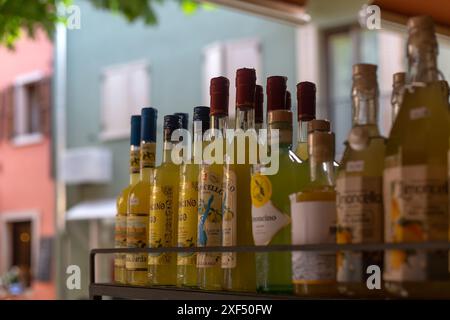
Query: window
point(25, 109)
point(124, 91)
point(224, 58)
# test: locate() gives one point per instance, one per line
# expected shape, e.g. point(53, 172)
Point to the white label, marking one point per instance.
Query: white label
point(355, 166)
point(266, 222)
point(313, 222)
point(418, 113)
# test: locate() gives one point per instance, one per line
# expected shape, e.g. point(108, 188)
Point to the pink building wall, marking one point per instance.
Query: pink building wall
point(26, 182)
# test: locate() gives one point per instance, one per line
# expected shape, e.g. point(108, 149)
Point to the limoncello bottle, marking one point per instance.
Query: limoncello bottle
point(398, 85)
point(120, 236)
point(313, 212)
point(210, 186)
point(163, 211)
point(188, 203)
point(139, 202)
point(239, 268)
point(415, 174)
point(359, 187)
point(306, 106)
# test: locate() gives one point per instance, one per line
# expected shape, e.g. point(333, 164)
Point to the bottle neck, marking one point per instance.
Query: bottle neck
point(284, 134)
point(258, 126)
point(245, 117)
point(365, 106)
point(422, 65)
point(135, 165)
point(219, 122)
point(302, 135)
point(321, 172)
point(396, 101)
point(148, 153)
point(167, 154)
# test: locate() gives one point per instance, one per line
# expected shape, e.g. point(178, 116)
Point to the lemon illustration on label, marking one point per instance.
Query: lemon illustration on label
point(261, 190)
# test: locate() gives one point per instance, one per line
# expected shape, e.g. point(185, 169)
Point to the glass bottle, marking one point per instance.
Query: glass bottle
point(306, 104)
point(398, 84)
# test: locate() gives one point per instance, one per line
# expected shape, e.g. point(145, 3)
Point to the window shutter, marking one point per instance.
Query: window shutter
point(8, 112)
point(45, 103)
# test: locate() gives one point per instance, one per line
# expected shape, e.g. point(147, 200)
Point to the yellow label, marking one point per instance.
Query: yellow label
point(261, 190)
point(187, 221)
point(416, 210)
point(148, 151)
point(137, 235)
point(120, 239)
point(135, 161)
point(209, 216)
point(161, 223)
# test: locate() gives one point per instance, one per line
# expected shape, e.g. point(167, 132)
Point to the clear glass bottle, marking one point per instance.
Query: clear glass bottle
point(188, 203)
point(415, 175)
point(239, 268)
point(120, 237)
point(210, 192)
point(359, 186)
point(139, 202)
point(313, 213)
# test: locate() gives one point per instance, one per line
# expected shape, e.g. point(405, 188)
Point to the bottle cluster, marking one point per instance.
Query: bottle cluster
point(392, 190)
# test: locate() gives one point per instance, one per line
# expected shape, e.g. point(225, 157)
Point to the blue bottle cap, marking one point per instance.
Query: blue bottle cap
point(148, 124)
point(135, 137)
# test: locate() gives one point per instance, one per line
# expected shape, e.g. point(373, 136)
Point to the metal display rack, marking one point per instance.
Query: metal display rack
point(100, 290)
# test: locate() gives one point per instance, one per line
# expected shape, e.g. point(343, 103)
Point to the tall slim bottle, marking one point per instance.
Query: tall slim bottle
point(415, 174)
point(139, 202)
point(188, 202)
point(210, 192)
point(239, 268)
point(359, 186)
point(313, 212)
point(120, 274)
point(163, 211)
point(306, 104)
point(398, 85)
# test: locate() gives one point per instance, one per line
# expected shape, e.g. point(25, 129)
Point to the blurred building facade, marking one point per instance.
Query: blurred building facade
point(27, 195)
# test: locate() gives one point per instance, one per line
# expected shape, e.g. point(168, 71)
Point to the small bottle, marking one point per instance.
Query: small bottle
point(120, 237)
point(313, 213)
point(306, 104)
point(415, 173)
point(188, 203)
point(398, 85)
point(239, 268)
point(259, 107)
point(139, 202)
point(163, 211)
point(210, 190)
point(359, 187)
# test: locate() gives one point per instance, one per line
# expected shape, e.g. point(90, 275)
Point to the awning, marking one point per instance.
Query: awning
point(104, 209)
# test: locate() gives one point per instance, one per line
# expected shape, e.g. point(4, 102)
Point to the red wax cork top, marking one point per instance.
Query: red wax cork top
point(288, 101)
point(306, 101)
point(259, 102)
point(245, 87)
point(276, 93)
point(219, 92)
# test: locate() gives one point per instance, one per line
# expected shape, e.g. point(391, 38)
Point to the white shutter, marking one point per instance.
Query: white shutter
point(213, 66)
point(245, 53)
point(124, 91)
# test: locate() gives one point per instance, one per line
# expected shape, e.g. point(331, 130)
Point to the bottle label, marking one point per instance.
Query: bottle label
point(359, 207)
point(135, 161)
point(313, 222)
point(416, 210)
point(148, 155)
point(137, 235)
point(229, 223)
point(267, 220)
point(161, 223)
point(120, 239)
point(209, 216)
point(187, 221)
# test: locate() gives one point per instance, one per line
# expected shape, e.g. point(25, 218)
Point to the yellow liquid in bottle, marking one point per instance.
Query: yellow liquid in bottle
point(187, 225)
point(138, 218)
point(163, 223)
point(416, 159)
